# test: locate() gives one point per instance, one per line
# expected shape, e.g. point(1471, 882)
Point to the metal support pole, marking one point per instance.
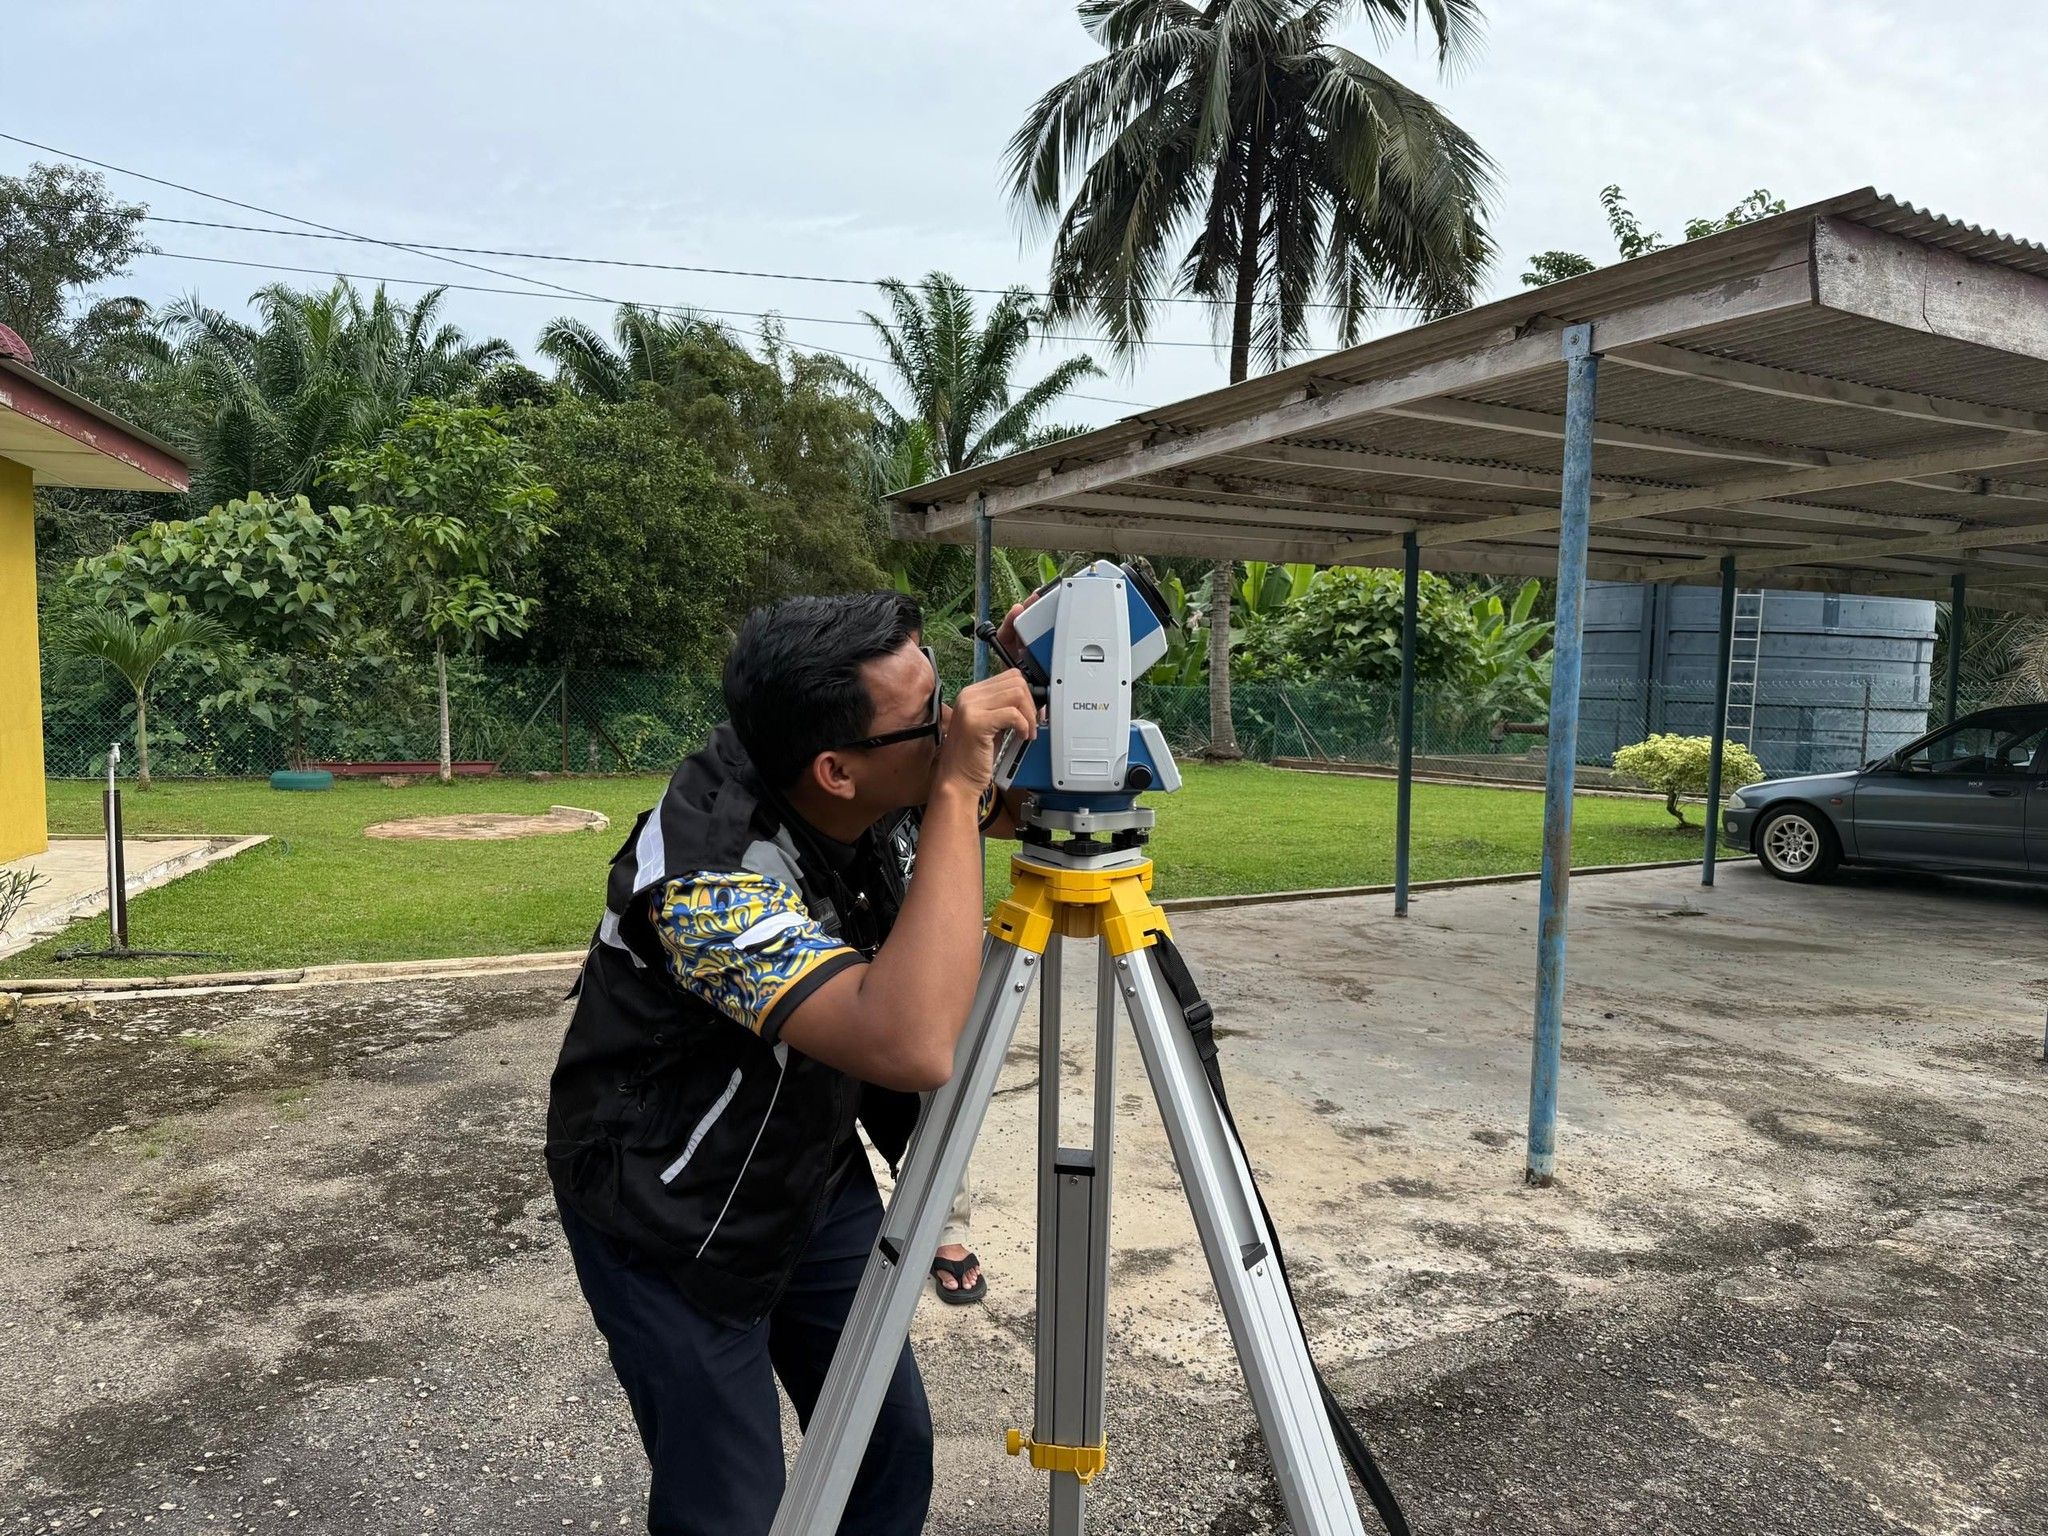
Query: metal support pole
point(117, 859)
point(1723, 665)
point(1404, 788)
point(1958, 592)
point(1582, 367)
point(984, 564)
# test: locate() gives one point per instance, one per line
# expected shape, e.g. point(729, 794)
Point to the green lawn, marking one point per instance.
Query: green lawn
point(321, 892)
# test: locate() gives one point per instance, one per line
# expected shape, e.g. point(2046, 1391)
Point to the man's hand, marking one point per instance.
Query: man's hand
point(1006, 632)
point(980, 716)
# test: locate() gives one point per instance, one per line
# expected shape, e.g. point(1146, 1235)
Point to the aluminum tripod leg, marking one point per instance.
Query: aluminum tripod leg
point(875, 1329)
point(1262, 1320)
point(1074, 1187)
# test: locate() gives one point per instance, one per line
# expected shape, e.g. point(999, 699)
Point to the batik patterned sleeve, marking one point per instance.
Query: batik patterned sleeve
point(745, 944)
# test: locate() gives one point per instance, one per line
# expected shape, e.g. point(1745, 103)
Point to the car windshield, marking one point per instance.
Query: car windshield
point(1984, 749)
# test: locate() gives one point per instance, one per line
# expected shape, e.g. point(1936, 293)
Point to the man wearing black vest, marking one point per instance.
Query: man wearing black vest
point(765, 976)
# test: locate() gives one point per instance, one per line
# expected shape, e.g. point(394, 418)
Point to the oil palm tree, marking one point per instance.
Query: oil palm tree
point(1232, 151)
point(317, 373)
point(682, 356)
point(954, 368)
point(135, 651)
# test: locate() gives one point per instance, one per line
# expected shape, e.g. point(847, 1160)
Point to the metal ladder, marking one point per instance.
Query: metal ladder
point(1745, 657)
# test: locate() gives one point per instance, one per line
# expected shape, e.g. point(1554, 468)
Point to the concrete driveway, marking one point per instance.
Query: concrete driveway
point(287, 1261)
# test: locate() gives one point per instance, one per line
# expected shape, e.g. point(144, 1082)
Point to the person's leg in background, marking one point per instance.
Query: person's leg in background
point(703, 1394)
point(959, 1277)
point(892, 1492)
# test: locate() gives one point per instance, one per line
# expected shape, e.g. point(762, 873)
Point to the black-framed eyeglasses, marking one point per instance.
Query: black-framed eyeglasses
point(930, 728)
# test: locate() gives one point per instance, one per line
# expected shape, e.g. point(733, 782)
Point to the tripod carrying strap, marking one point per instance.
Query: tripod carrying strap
point(1200, 1018)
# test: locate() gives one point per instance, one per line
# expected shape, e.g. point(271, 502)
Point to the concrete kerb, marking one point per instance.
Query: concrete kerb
point(41, 991)
point(1470, 781)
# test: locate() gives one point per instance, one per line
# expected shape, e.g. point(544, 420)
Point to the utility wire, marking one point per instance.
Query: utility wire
point(754, 314)
point(529, 293)
point(672, 266)
point(273, 213)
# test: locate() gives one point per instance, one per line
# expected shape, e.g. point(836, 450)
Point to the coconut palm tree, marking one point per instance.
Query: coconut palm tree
point(954, 369)
point(318, 373)
point(1233, 152)
point(135, 651)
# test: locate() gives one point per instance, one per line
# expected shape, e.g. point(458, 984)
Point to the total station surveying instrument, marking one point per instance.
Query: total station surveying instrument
point(1083, 874)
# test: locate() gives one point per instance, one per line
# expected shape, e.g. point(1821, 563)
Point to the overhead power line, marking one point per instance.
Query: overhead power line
point(674, 266)
point(699, 309)
point(273, 213)
point(610, 303)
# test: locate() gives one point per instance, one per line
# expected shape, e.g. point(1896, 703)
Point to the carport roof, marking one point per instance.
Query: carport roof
point(1850, 396)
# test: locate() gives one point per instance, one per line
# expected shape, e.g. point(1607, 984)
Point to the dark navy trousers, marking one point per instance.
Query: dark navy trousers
point(703, 1394)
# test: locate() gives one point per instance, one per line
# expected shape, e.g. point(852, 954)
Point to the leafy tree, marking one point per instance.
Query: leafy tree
point(284, 577)
point(652, 547)
point(1632, 240)
point(1346, 626)
point(1758, 205)
point(783, 425)
point(1679, 765)
point(1555, 267)
point(62, 231)
point(137, 650)
point(453, 507)
point(318, 374)
point(1233, 152)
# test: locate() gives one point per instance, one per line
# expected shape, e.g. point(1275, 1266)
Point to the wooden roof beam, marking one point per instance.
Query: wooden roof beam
point(1656, 357)
point(1859, 549)
point(1526, 351)
point(1760, 487)
point(1505, 418)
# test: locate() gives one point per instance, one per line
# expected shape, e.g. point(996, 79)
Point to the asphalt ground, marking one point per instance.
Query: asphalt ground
point(287, 1260)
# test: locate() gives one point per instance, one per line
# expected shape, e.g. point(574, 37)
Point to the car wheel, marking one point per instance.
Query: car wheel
point(1798, 844)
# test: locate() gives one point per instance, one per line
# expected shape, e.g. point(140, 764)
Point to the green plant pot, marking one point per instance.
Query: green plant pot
point(302, 778)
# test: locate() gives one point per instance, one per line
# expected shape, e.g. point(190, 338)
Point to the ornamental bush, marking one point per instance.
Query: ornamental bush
point(1678, 765)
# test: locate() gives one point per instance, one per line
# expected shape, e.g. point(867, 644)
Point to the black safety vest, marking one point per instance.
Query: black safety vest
point(673, 1128)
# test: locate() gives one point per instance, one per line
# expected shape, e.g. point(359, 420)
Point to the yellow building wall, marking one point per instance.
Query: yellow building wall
point(24, 818)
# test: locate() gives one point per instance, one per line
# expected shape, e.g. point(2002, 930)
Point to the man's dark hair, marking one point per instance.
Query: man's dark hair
point(792, 683)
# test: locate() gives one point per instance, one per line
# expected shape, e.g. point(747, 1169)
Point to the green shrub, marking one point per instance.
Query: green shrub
point(1678, 765)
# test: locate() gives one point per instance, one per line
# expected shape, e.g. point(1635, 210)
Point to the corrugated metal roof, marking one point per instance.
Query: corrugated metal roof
point(1331, 487)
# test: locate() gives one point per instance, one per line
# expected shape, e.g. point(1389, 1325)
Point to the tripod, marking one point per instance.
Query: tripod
point(1086, 888)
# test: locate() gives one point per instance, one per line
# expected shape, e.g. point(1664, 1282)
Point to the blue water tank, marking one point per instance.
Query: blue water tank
point(1840, 679)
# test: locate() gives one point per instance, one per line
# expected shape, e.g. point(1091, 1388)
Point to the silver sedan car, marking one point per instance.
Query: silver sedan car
point(1969, 799)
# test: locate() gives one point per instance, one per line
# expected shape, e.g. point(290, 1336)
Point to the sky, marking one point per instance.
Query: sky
point(863, 138)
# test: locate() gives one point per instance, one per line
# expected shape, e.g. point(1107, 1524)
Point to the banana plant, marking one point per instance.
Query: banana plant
point(1507, 675)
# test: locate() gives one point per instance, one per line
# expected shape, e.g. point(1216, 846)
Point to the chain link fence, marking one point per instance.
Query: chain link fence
point(524, 720)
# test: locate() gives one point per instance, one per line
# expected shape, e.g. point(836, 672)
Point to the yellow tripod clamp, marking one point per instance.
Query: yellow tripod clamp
point(1084, 1461)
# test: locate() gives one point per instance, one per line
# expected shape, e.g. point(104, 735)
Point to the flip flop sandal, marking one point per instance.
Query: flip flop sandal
point(959, 1293)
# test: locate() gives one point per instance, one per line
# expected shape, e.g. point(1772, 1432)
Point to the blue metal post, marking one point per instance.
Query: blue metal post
point(1723, 665)
point(1958, 591)
point(1582, 367)
point(984, 562)
point(1404, 790)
